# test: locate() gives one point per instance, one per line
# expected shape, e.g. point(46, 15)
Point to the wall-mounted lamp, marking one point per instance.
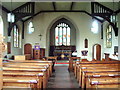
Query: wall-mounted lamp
point(40, 36)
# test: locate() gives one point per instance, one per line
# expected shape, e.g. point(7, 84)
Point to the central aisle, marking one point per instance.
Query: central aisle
point(62, 78)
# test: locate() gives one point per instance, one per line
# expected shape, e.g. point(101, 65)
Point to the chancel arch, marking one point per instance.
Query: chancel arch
point(62, 33)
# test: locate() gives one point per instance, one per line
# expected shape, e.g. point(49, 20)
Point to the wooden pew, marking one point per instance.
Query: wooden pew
point(32, 65)
point(11, 69)
point(19, 83)
point(98, 83)
point(35, 61)
point(92, 63)
point(114, 74)
point(29, 66)
point(70, 68)
point(94, 66)
point(53, 59)
point(76, 64)
point(94, 69)
point(39, 77)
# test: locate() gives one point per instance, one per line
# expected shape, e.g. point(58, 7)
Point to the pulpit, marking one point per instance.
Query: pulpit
point(36, 52)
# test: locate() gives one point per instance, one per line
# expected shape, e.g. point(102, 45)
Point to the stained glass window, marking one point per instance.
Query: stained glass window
point(109, 36)
point(62, 34)
point(30, 28)
point(16, 36)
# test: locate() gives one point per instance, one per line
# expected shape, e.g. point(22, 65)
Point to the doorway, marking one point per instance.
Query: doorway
point(96, 52)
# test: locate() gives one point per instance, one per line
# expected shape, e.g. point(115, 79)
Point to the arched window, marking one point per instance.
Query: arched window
point(1, 26)
point(62, 34)
point(16, 36)
point(30, 28)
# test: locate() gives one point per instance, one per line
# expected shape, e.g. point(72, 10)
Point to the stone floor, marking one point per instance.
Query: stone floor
point(62, 79)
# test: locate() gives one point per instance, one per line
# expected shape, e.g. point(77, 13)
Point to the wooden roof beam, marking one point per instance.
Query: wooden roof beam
point(118, 11)
point(71, 6)
point(54, 6)
point(4, 9)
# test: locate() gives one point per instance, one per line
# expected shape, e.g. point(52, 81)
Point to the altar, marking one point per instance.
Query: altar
point(62, 52)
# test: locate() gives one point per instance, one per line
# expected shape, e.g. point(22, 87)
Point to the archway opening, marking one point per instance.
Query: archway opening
point(62, 39)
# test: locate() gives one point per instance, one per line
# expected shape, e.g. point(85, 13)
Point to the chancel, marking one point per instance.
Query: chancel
point(59, 44)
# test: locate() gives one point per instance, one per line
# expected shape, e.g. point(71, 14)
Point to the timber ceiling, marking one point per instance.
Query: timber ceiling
point(40, 6)
point(63, 5)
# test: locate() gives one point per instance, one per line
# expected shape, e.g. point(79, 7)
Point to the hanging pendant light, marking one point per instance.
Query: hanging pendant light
point(11, 16)
point(113, 17)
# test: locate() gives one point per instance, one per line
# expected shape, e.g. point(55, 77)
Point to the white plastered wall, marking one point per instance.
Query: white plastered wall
point(81, 21)
point(14, 51)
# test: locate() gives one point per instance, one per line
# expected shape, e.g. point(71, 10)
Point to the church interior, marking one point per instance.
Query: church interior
point(59, 44)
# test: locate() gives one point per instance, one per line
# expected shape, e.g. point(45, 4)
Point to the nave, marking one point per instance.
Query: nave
point(33, 32)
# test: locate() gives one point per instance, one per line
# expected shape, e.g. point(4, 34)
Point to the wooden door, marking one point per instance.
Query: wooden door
point(28, 49)
point(97, 52)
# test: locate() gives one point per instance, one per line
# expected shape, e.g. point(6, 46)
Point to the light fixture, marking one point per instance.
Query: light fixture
point(94, 28)
point(11, 16)
point(40, 36)
point(32, 29)
point(113, 17)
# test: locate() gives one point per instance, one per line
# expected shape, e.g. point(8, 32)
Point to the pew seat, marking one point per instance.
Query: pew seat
point(31, 75)
point(103, 83)
point(106, 75)
point(19, 82)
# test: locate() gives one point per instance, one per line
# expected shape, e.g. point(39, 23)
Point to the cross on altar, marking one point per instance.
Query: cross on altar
point(40, 36)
